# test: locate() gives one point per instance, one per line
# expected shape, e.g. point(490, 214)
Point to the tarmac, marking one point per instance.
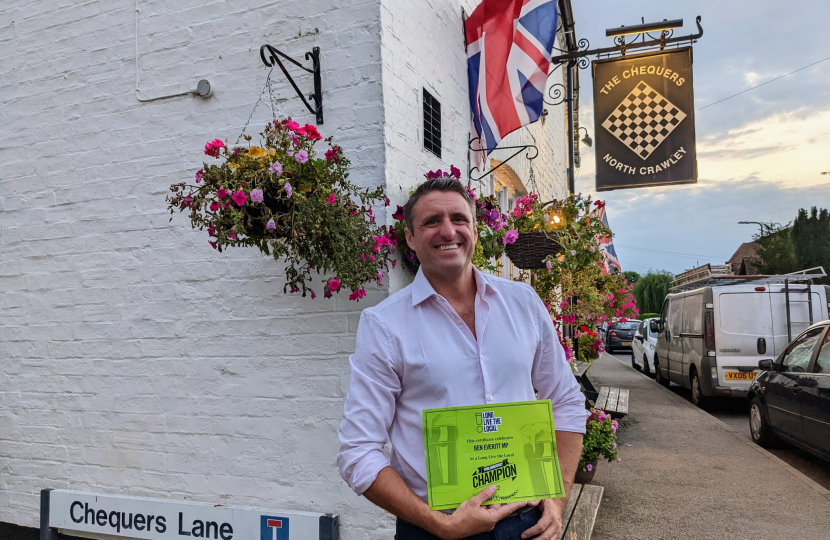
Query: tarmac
point(685, 474)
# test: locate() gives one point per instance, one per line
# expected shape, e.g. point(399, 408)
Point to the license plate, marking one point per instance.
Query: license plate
point(627, 343)
point(740, 376)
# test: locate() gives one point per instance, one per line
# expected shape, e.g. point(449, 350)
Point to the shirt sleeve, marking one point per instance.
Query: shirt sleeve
point(553, 377)
point(374, 386)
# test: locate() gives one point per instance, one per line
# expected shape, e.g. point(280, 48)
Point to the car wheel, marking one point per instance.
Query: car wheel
point(758, 427)
point(633, 363)
point(646, 369)
point(658, 375)
point(697, 394)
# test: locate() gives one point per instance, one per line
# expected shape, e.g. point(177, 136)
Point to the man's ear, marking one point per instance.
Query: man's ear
point(410, 239)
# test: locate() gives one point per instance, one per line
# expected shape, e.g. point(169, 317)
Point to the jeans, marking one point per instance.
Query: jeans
point(510, 528)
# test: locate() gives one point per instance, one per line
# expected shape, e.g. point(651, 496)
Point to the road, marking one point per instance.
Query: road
point(733, 412)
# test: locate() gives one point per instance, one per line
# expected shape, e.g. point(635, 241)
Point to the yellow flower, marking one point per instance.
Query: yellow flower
point(560, 258)
point(233, 166)
point(271, 152)
point(256, 152)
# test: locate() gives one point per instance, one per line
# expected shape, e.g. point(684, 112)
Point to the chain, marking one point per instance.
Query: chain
point(258, 101)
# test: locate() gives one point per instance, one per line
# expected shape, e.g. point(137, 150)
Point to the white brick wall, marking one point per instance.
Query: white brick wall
point(135, 359)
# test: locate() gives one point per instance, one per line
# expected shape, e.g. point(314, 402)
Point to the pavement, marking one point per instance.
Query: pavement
point(685, 474)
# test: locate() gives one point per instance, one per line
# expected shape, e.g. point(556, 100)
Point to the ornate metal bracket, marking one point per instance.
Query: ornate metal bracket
point(578, 57)
point(519, 150)
point(314, 56)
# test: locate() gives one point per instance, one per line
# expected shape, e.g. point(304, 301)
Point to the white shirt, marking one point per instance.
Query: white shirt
point(414, 352)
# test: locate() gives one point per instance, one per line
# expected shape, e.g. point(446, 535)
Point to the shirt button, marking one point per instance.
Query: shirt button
point(489, 398)
point(458, 321)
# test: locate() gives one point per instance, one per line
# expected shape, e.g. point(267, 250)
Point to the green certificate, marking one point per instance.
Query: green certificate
point(511, 445)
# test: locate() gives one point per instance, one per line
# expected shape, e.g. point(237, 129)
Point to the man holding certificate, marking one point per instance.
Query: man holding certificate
point(461, 371)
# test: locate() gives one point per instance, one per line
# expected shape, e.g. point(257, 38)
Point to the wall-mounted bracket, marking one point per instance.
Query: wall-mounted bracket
point(518, 150)
point(314, 56)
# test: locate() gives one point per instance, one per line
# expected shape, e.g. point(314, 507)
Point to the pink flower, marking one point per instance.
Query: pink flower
point(548, 265)
point(455, 171)
point(313, 296)
point(331, 155)
point(287, 189)
point(293, 138)
point(214, 206)
point(334, 284)
point(380, 276)
point(211, 230)
point(187, 202)
point(239, 197)
point(589, 468)
point(511, 236)
point(212, 147)
point(199, 175)
point(332, 198)
point(311, 132)
point(357, 295)
point(275, 168)
point(398, 215)
point(270, 224)
point(292, 125)
point(386, 202)
point(301, 156)
point(257, 195)
point(222, 193)
point(394, 262)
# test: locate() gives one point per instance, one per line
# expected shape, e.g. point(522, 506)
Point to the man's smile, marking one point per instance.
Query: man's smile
point(448, 247)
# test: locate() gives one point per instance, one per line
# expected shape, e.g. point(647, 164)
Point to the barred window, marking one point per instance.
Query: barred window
point(432, 124)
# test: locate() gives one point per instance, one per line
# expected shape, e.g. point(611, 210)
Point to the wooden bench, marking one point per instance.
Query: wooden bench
point(581, 513)
point(612, 400)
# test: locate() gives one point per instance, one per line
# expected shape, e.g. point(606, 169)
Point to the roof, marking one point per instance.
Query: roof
point(747, 250)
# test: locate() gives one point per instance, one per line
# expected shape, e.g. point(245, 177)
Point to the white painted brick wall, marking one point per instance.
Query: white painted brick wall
point(135, 359)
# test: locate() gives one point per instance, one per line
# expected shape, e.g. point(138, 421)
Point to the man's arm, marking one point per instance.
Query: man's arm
point(391, 493)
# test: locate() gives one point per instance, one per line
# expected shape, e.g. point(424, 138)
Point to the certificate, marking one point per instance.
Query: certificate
point(511, 445)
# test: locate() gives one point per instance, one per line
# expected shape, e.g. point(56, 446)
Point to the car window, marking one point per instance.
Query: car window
point(641, 330)
point(823, 359)
point(798, 354)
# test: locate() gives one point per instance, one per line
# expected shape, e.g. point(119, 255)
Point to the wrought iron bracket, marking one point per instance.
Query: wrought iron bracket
point(317, 97)
point(518, 150)
point(666, 37)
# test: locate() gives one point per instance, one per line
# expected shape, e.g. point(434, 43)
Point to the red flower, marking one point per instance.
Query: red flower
point(311, 132)
point(398, 215)
point(222, 193)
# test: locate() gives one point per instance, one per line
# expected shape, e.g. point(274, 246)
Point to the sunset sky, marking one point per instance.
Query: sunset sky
point(760, 155)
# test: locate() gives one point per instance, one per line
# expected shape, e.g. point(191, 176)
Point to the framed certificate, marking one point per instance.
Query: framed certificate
point(511, 445)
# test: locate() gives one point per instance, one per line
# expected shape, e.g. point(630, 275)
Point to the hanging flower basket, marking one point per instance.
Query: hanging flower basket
point(530, 249)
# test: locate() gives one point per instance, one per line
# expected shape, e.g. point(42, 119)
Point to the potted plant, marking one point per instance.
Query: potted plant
point(600, 441)
point(288, 201)
point(490, 224)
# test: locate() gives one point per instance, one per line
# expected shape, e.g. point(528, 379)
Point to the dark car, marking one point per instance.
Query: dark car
point(791, 398)
point(620, 335)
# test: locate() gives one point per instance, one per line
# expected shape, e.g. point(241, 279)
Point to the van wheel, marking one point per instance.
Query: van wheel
point(697, 394)
point(646, 369)
point(758, 427)
point(658, 375)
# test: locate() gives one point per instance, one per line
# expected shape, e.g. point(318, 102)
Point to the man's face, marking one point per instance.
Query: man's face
point(444, 237)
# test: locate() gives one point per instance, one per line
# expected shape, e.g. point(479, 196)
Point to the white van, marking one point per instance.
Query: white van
point(711, 338)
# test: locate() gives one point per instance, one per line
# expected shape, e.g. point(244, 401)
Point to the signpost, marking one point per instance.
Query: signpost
point(644, 120)
point(162, 519)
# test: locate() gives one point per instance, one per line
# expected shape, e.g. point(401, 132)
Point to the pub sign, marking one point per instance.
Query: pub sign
point(644, 120)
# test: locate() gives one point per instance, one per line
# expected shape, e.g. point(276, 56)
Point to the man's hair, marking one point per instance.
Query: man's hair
point(446, 184)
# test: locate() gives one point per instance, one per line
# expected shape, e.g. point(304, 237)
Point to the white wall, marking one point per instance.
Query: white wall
point(136, 359)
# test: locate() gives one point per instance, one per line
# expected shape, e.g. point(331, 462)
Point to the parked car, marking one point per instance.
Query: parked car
point(790, 399)
point(620, 335)
point(642, 347)
point(711, 338)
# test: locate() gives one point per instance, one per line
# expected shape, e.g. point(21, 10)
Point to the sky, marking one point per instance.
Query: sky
point(760, 155)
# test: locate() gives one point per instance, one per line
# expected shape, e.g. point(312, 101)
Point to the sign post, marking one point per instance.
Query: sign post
point(644, 120)
point(162, 519)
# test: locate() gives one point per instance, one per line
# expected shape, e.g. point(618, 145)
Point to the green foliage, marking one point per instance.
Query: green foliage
point(651, 289)
point(811, 239)
point(775, 249)
point(289, 203)
point(644, 316)
point(632, 277)
point(600, 440)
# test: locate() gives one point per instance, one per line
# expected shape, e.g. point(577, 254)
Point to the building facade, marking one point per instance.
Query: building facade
point(136, 359)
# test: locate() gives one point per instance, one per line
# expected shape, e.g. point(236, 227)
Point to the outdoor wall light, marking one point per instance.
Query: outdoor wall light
point(643, 28)
point(586, 140)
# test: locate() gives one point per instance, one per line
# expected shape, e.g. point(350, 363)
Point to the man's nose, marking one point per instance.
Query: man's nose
point(447, 230)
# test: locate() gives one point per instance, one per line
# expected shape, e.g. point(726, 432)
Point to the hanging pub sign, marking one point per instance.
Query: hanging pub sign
point(644, 120)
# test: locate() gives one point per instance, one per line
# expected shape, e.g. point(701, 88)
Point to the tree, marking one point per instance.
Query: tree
point(632, 277)
point(651, 289)
point(811, 239)
point(775, 249)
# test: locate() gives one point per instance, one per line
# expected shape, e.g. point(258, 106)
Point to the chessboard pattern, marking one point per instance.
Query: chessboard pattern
point(643, 120)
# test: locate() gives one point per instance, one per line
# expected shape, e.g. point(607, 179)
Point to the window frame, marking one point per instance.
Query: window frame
point(432, 129)
point(814, 361)
point(782, 367)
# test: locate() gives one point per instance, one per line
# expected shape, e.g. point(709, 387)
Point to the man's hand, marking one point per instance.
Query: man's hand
point(549, 526)
point(472, 518)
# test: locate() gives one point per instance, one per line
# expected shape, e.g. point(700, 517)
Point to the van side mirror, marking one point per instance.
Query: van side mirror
point(766, 364)
point(654, 327)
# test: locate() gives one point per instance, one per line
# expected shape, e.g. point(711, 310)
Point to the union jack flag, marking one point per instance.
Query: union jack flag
point(606, 244)
point(509, 46)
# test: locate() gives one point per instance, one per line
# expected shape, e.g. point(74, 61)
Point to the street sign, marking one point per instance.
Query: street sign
point(644, 120)
point(162, 519)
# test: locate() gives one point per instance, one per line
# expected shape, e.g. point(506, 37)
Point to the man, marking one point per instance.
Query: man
point(454, 337)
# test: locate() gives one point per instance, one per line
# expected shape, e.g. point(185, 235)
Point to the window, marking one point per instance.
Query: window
point(641, 330)
point(432, 124)
point(663, 315)
point(798, 355)
point(823, 359)
point(675, 316)
point(693, 314)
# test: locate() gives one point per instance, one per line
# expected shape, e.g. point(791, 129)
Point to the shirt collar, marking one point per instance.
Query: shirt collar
point(422, 288)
